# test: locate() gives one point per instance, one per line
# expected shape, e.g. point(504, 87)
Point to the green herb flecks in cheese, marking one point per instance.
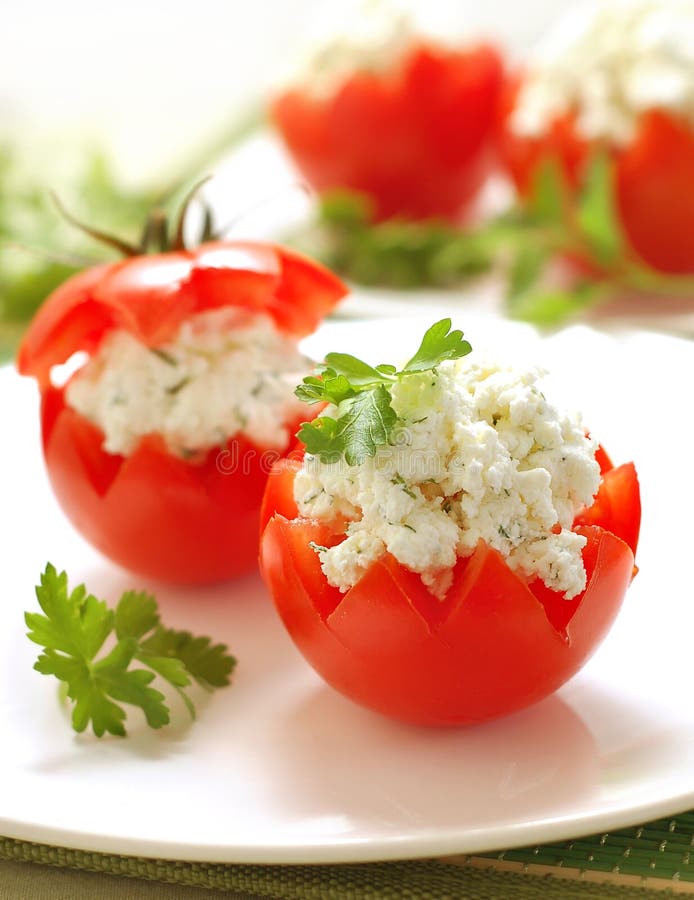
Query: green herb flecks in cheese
point(473, 451)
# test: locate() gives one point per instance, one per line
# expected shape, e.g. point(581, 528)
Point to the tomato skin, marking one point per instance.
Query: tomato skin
point(655, 191)
point(151, 296)
point(617, 505)
point(183, 521)
point(178, 521)
point(495, 645)
point(279, 491)
point(416, 138)
point(654, 177)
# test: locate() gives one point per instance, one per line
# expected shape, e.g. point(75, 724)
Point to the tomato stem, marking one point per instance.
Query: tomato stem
point(103, 237)
point(155, 234)
point(208, 232)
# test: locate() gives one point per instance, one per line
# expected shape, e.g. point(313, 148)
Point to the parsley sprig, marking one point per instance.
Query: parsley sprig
point(362, 394)
point(397, 253)
point(73, 630)
point(558, 222)
point(528, 245)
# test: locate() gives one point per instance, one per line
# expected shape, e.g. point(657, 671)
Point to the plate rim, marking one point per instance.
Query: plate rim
point(439, 842)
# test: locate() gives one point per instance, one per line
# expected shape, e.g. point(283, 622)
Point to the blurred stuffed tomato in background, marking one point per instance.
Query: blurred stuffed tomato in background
point(615, 80)
point(404, 119)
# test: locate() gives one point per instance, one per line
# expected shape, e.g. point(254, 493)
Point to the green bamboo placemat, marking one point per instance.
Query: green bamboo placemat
point(643, 861)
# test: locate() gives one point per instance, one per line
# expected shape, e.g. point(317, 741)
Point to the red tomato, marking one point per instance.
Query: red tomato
point(279, 494)
point(151, 296)
point(617, 505)
point(415, 137)
point(522, 156)
point(494, 645)
point(654, 179)
point(655, 192)
point(183, 521)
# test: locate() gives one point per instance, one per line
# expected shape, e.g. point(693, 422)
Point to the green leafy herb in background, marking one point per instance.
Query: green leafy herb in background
point(396, 253)
point(524, 243)
point(586, 230)
point(38, 250)
point(73, 631)
point(596, 218)
point(365, 418)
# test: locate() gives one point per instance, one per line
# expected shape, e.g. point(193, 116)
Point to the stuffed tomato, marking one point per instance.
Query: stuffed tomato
point(616, 82)
point(451, 546)
point(159, 445)
point(405, 121)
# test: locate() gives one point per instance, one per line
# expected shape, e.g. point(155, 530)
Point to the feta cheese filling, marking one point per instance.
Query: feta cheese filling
point(480, 455)
point(609, 65)
point(227, 372)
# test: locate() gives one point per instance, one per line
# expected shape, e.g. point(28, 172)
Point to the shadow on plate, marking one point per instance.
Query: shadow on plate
point(339, 759)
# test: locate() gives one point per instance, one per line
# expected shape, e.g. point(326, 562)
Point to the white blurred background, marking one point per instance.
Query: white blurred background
point(153, 80)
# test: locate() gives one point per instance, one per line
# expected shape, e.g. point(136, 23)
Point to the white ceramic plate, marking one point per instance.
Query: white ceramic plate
point(279, 768)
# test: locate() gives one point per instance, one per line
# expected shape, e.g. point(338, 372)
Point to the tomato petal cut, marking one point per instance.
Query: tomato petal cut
point(148, 296)
point(306, 293)
point(295, 538)
point(282, 576)
point(151, 296)
point(488, 597)
point(68, 322)
point(161, 516)
point(609, 563)
point(238, 275)
point(617, 505)
point(72, 444)
point(378, 615)
point(279, 492)
point(558, 609)
point(603, 460)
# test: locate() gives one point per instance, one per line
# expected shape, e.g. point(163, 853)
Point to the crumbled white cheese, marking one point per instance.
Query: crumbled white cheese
point(227, 371)
point(609, 64)
point(480, 455)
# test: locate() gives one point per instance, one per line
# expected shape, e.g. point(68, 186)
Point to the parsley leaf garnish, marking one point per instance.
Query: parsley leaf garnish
point(362, 394)
point(438, 344)
point(75, 627)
